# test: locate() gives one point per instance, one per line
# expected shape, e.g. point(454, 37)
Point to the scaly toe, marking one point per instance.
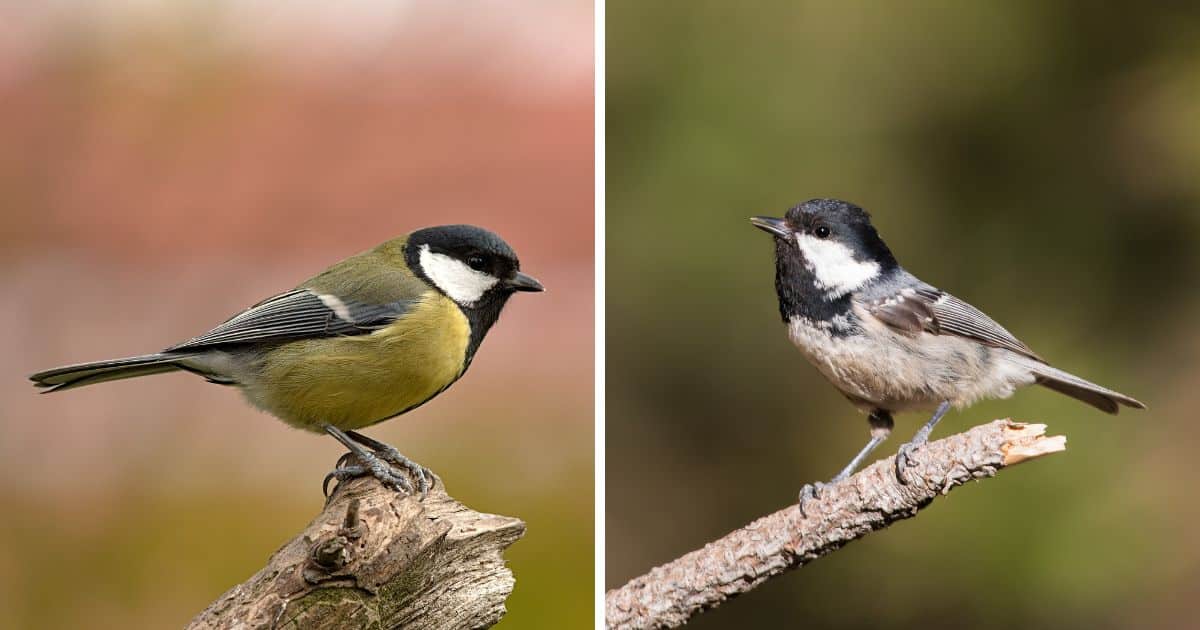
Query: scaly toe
point(391, 477)
point(407, 470)
point(809, 492)
point(423, 475)
point(424, 482)
point(392, 469)
point(429, 477)
point(341, 473)
point(903, 462)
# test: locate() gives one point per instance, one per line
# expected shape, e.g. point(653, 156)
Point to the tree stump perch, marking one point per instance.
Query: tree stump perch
point(872, 499)
point(376, 559)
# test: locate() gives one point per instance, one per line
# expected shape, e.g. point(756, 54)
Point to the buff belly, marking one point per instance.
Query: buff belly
point(879, 368)
point(354, 382)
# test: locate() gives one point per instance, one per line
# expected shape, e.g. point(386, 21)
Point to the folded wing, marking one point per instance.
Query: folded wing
point(298, 314)
point(926, 309)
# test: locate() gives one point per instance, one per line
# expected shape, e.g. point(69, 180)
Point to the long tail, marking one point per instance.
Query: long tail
point(71, 376)
point(1102, 398)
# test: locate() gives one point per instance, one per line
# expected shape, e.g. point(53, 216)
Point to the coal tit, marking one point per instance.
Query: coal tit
point(888, 341)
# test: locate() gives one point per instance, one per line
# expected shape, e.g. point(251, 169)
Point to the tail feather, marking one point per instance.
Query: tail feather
point(72, 376)
point(1102, 398)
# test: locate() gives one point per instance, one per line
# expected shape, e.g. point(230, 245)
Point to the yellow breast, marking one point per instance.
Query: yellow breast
point(353, 382)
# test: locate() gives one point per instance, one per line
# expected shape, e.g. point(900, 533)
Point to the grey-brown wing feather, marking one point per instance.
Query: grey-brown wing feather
point(930, 310)
point(297, 314)
point(922, 308)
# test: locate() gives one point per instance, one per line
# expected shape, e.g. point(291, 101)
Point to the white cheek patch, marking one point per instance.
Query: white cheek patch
point(462, 283)
point(833, 264)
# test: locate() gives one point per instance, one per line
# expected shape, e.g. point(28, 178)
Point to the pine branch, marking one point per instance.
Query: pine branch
point(872, 499)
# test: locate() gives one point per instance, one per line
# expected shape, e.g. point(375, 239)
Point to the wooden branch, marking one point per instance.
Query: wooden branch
point(374, 558)
point(669, 595)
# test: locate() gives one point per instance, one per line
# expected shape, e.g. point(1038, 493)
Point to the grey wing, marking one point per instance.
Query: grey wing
point(926, 309)
point(298, 314)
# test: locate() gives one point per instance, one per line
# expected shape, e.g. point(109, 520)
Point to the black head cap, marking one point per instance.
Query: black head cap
point(479, 249)
point(835, 220)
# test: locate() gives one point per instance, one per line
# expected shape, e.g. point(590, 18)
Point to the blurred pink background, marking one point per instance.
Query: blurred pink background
point(166, 165)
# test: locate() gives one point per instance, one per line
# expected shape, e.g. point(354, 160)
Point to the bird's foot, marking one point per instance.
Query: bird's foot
point(904, 460)
point(904, 454)
point(809, 492)
point(392, 469)
point(423, 475)
point(342, 473)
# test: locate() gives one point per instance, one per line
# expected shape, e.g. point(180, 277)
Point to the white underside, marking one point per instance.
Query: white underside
point(886, 369)
point(458, 281)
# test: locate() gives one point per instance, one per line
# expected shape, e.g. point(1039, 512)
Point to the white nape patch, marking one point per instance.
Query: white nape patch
point(833, 264)
point(336, 305)
point(462, 283)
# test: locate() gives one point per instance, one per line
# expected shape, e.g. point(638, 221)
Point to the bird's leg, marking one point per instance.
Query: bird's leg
point(881, 427)
point(370, 463)
point(921, 437)
point(392, 456)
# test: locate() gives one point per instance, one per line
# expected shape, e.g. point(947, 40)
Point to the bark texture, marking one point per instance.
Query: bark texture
point(375, 559)
point(872, 499)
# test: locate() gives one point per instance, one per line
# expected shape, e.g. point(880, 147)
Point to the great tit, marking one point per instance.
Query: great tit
point(370, 338)
point(888, 341)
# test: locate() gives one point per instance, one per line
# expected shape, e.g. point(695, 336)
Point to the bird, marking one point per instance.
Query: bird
point(890, 342)
point(370, 338)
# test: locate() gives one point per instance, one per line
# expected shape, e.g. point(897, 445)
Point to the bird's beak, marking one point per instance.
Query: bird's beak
point(778, 227)
point(523, 282)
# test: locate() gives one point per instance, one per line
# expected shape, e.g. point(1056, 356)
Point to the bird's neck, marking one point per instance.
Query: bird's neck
point(800, 293)
point(481, 317)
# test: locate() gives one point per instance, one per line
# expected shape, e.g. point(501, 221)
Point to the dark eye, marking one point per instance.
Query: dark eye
point(821, 231)
point(476, 262)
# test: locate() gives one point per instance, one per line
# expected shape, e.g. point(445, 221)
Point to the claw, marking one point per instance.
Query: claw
point(809, 492)
point(341, 473)
point(903, 461)
point(432, 479)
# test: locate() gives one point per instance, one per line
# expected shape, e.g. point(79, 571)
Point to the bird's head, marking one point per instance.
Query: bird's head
point(470, 265)
point(828, 245)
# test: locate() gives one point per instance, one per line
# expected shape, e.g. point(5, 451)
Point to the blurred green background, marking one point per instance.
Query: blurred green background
point(1038, 159)
point(163, 165)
